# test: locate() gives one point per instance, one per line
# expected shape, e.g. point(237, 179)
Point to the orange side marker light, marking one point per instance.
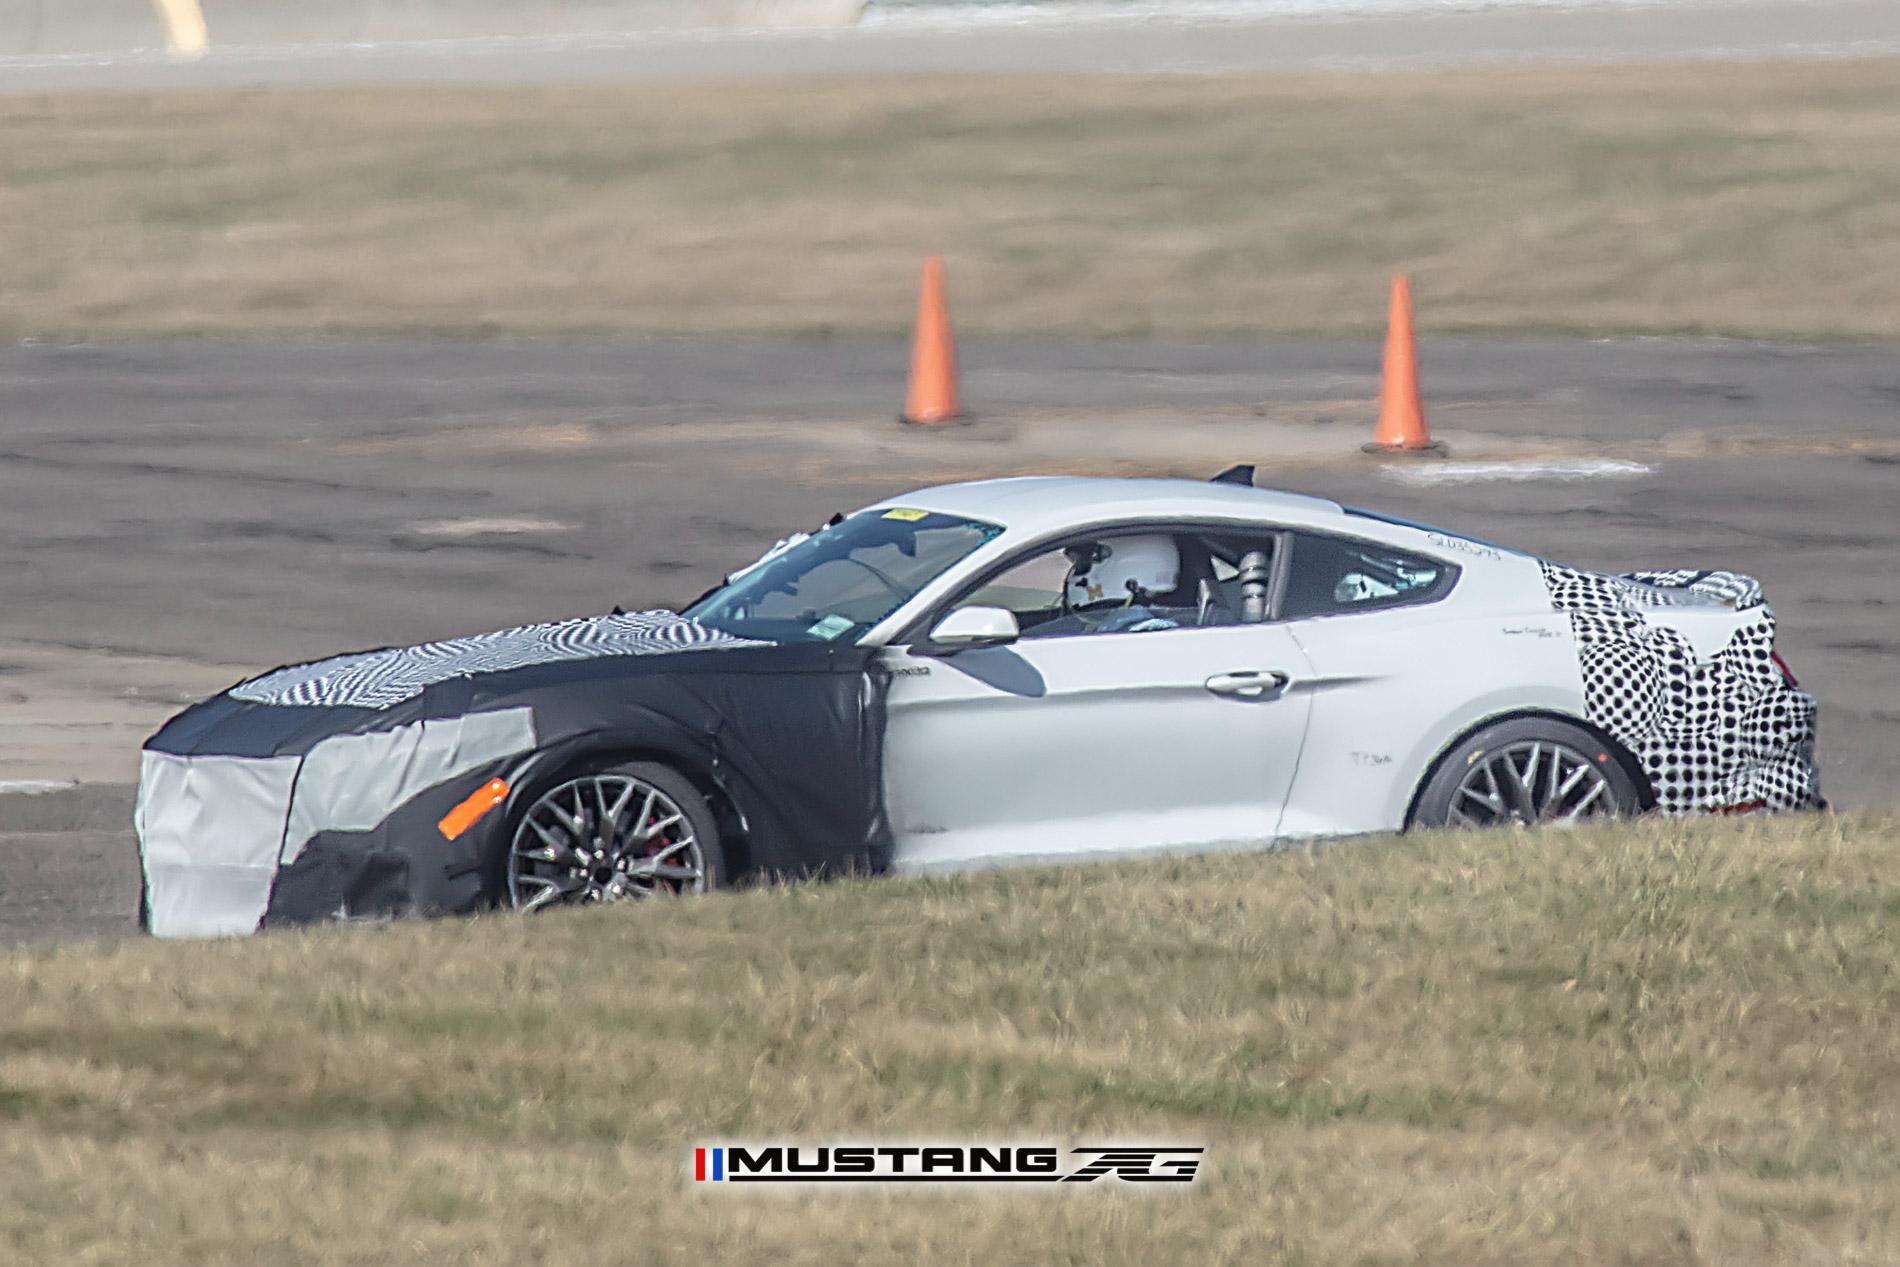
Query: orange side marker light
point(469, 812)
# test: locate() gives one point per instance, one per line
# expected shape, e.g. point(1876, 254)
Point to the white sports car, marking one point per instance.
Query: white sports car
point(1004, 670)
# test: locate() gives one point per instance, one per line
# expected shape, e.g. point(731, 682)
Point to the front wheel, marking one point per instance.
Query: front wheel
point(1532, 770)
point(619, 833)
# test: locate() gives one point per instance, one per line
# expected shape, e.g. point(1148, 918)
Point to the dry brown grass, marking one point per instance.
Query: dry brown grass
point(1750, 197)
point(1673, 1044)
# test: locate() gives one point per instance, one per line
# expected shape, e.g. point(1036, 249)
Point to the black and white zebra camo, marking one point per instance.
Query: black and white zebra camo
point(1730, 588)
point(382, 679)
point(1592, 591)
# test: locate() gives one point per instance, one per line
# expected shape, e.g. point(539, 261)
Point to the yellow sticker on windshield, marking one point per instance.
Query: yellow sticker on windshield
point(908, 516)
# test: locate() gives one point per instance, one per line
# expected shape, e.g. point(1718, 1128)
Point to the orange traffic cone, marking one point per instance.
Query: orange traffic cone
point(1401, 426)
point(933, 356)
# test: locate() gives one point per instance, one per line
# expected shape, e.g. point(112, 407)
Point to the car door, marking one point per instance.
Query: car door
point(1093, 743)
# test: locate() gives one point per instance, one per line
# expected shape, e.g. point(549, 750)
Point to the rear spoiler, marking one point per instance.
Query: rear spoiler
point(1686, 588)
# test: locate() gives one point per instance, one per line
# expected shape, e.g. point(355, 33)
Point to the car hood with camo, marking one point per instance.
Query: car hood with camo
point(315, 790)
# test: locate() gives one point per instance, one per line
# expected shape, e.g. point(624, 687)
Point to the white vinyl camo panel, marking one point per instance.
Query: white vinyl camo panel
point(382, 679)
point(353, 782)
point(209, 831)
point(1710, 731)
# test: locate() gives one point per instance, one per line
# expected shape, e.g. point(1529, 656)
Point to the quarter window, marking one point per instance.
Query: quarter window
point(1331, 576)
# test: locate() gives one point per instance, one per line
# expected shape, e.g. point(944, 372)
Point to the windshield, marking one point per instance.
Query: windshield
point(838, 583)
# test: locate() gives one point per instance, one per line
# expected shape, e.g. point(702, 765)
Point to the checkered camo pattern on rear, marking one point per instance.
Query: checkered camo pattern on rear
point(1712, 733)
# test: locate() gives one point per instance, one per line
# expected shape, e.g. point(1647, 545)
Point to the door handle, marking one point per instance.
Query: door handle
point(1247, 683)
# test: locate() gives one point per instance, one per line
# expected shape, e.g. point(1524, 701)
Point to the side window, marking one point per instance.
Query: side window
point(1330, 576)
point(1031, 590)
point(1123, 582)
point(1235, 588)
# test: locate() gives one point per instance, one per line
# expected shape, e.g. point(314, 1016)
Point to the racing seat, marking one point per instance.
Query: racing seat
point(1198, 591)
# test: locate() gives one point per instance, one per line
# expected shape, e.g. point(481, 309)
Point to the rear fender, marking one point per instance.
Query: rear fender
point(1618, 753)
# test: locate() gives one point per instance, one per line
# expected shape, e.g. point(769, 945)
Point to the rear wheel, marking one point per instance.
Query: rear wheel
point(1532, 770)
point(620, 833)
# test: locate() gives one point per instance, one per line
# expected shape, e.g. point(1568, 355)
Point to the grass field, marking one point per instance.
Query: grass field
point(1758, 198)
point(1677, 1044)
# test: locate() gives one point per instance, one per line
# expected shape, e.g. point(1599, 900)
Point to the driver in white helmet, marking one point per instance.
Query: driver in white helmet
point(1113, 586)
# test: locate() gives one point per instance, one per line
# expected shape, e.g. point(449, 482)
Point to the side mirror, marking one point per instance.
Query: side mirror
point(968, 628)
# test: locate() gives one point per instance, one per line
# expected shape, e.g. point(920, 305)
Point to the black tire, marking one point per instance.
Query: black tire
point(669, 782)
point(1460, 787)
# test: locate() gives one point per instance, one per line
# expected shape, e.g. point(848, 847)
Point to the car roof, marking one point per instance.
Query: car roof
point(1039, 503)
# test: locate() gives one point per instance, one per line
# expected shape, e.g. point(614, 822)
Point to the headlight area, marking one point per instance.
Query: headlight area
point(244, 825)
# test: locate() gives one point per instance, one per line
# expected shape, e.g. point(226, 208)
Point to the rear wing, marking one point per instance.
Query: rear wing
point(1684, 588)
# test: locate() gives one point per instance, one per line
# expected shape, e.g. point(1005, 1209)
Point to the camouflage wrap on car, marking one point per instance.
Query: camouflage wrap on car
point(1721, 730)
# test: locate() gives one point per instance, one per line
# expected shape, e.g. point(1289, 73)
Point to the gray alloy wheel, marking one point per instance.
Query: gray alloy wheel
point(1532, 771)
point(1532, 782)
point(621, 834)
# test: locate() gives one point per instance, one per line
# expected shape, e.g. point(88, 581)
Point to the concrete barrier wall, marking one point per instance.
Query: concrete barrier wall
point(106, 26)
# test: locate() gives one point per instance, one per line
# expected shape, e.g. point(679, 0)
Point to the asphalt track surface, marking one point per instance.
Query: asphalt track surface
point(1589, 33)
point(174, 516)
